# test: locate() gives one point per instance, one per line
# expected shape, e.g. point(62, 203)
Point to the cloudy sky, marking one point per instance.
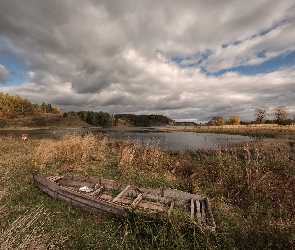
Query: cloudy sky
point(188, 60)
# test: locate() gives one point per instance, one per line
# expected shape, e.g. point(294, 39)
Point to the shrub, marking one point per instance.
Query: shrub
point(2, 123)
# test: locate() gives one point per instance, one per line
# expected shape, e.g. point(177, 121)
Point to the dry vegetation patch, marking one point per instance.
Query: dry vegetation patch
point(251, 188)
point(75, 150)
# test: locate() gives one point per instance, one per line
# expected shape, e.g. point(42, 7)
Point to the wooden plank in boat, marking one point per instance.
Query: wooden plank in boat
point(171, 207)
point(137, 200)
point(152, 206)
point(125, 201)
point(97, 191)
point(192, 208)
point(106, 197)
point(198, 211)
point(122, 193)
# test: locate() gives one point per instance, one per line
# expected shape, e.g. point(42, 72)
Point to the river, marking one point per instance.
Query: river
point(149, 135)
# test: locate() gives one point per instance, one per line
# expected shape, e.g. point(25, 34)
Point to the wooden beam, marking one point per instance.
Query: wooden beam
point(192, 208)
point(120, 194)
point(137, 200)
point(203, 219)
point(171, 207)
point(97, 191)
point(213, 226)
point(198, 211)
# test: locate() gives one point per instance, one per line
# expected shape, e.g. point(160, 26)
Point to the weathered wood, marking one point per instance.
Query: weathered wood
point(55, 178)
point(137, 200)
point(192, 208)
point(97, 191)
point(213, 225)
point(203, 218)
point(198, 213)
point(151, 202)
point(171, 207)
point(122, 193)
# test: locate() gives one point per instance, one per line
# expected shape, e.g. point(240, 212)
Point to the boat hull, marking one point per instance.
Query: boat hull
point(98, 195)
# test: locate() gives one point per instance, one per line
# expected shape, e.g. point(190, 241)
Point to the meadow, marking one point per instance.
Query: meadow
point(250, 186)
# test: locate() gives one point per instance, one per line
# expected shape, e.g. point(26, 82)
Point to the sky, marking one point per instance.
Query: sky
point(189, 60)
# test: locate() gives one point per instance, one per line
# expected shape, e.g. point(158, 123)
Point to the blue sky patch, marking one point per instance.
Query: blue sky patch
point(191, 60)
point(18, 74)
point(286, 60)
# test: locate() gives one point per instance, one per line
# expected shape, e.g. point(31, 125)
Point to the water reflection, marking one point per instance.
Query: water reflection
point(173, 140)
point(181, 140)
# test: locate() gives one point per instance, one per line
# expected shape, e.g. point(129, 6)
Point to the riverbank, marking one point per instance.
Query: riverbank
point(255, 130)
point(250, 186)
point(54, 121)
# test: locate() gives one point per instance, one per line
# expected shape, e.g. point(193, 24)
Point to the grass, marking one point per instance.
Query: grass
point(251, 188)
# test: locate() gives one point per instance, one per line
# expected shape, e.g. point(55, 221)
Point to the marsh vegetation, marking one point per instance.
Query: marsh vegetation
point(250, 186)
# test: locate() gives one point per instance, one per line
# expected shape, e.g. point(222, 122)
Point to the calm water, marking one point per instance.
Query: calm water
point(171, 140)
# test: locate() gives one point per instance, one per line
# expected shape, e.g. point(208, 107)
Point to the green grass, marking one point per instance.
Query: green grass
point(250, 187)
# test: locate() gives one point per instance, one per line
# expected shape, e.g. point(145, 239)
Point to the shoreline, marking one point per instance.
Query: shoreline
point(254, 130)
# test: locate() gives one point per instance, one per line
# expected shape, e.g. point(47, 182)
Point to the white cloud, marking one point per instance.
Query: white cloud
point(254, 50)
point(122, 57)
point(4, 74)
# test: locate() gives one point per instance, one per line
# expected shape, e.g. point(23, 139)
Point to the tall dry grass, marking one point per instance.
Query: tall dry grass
point(146, 157)
point(73, 153)
point(75, 150)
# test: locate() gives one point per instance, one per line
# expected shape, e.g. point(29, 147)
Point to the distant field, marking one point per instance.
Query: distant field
point(259, 130)
point(251, 188)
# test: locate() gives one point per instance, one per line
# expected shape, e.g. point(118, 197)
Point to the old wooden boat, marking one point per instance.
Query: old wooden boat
point(99, 195)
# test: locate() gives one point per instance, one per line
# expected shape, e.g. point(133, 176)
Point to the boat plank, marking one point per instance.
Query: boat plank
point(198, 212)
point(97, 191)
point(192, 208)
point(122, 193)
point(137, 200)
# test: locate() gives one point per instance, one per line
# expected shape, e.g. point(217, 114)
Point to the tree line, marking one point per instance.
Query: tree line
point(280, 114)
point(145, 120)
point(13, 106)
point(108, 120)
point(93, 118)
point(220, 121)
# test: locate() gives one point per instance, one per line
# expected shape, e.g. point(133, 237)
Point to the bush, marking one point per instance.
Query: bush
point(2, 123)
point(285, 122)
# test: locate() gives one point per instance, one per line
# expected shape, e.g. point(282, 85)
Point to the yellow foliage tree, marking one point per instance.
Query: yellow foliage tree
point(234, 120)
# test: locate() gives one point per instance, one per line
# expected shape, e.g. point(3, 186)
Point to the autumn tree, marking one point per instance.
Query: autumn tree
point(260, 114)
point(47, 107)
point(56, 110)
point(217, 121)
point(281, 114)
point(13, 106)
point(233, 120)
